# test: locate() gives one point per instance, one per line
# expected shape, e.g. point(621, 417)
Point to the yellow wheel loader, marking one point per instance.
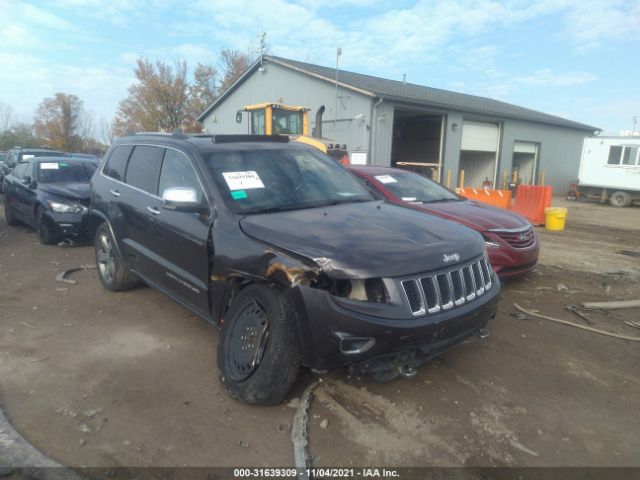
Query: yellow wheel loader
point(279, 119)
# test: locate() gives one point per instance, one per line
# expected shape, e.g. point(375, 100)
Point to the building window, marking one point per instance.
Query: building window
point(629, 155)
point(615, 153)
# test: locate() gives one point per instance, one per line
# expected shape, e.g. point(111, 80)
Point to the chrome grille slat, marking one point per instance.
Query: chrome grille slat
point(457, 286)
point(446, 295)
point(486, 273)
point(414, 296)
point(469, 283)
point(431, 294)
point(477, 276)
point(443, 291)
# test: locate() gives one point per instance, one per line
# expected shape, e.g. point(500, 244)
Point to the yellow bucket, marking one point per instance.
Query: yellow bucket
point(554, 218)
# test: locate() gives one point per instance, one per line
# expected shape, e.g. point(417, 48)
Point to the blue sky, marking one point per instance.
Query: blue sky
point(578, 59)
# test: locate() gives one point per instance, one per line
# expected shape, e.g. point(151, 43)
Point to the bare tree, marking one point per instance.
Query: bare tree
point(63, 122)
point(202, 93)
point(6, 117)
point(234, 63)
point(157, 102)
point(105, 131)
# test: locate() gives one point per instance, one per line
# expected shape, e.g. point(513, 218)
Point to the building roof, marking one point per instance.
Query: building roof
point(409, 93)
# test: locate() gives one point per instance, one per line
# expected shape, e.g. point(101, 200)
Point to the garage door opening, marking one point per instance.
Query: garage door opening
point(479, 153)
point(417, 142)
point(523, 164)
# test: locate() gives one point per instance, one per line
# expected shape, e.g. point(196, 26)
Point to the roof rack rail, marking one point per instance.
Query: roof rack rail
point(163, 134)
point(250, 138)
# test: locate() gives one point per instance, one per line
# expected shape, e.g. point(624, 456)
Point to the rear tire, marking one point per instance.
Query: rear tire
point(113, 273)
point(620, 199)
point(258, 353)
point(12, 221)
point(46, 231)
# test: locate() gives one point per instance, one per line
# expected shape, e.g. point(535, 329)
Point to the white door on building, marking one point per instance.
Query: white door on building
point(479, 152)
point(525, 156)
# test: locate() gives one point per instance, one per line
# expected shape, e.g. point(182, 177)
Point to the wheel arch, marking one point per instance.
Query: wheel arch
point(97, 218)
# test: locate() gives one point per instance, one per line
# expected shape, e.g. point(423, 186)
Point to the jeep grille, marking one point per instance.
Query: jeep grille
point(443, 291)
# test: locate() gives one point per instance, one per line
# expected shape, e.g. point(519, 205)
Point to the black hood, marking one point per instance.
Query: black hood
point(365, 240)
point(74, 191)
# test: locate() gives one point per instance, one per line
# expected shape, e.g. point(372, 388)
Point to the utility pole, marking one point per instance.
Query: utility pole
point(635, 124)
point(335, 112)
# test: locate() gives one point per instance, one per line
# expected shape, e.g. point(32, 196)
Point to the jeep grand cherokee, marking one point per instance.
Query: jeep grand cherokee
point(289, 254)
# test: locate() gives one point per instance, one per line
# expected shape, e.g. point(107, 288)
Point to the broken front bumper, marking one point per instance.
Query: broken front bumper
point(333, 336)
point(69, 225)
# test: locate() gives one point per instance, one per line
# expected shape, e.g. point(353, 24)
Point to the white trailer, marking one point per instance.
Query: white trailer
point(609, 169)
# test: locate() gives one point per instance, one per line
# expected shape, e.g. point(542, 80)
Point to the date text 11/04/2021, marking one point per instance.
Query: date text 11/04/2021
point(316, 473)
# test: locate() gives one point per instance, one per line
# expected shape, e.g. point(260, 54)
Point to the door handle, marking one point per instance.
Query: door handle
point(115, 193)
point(153, 210)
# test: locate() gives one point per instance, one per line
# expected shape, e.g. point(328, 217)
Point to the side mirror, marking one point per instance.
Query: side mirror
point(181, 199)
point(239, 116)
point(26, 180)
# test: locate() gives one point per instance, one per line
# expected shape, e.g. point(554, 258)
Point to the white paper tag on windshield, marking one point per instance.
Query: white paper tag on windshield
point(242, 180)
point(26, 157)
point(385, 179)
point(49, 166)
point(409, 199)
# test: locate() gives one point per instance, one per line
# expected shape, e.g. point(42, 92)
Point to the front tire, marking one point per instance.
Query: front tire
point(46, 231)
point(258, 355)
point(112, 271)
point(620, 199)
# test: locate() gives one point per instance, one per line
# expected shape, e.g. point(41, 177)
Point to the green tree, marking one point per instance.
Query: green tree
point(20, 134)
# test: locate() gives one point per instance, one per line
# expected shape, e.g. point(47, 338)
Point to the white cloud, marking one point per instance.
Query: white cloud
point(590, 22)
point(547, 78)
point(27, 79)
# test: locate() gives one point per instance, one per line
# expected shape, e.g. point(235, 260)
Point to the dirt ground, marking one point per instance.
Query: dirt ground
point(95, 378)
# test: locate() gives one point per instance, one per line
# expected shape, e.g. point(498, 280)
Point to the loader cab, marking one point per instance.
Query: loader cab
point(276, 119)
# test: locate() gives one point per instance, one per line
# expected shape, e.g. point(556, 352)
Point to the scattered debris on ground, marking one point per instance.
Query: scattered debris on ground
point(61, 277)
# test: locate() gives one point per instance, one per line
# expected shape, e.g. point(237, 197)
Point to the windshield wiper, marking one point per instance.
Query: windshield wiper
point(277, 208)
point(441, 200)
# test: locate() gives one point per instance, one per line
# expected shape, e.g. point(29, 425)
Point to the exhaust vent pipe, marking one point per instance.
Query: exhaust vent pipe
point(317, 131)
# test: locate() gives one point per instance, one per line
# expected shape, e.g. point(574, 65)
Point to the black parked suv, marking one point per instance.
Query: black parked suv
point(289, 254)
point(50, 194)
point(17, 155)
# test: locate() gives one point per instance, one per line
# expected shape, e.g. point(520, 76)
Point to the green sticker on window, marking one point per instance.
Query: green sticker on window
point(238, 194)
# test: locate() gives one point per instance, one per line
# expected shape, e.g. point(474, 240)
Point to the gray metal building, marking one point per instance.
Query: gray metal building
point(393, 123)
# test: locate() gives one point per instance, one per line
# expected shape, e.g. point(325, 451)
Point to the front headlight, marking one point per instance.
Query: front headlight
point(364, 290)
point(66, 208)
point(490, 243)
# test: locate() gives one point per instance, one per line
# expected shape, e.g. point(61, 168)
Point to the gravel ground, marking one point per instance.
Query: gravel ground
point(101, 379)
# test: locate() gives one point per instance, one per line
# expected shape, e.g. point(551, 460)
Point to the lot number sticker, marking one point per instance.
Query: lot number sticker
point(49, 166)
point(385, 179)
point(242, 180)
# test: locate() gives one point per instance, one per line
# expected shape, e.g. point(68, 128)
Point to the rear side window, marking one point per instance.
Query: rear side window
point(117, 163)
point(143, 170)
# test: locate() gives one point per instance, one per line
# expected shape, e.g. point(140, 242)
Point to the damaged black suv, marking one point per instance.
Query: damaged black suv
point(289, 254)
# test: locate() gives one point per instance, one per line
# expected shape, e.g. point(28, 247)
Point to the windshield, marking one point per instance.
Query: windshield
point(411, 187)
point(65, 172)
point(28, 155)
point(286, 122)
point(255, 181)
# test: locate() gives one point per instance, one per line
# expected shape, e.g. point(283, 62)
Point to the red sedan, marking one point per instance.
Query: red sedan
point(511, 241)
